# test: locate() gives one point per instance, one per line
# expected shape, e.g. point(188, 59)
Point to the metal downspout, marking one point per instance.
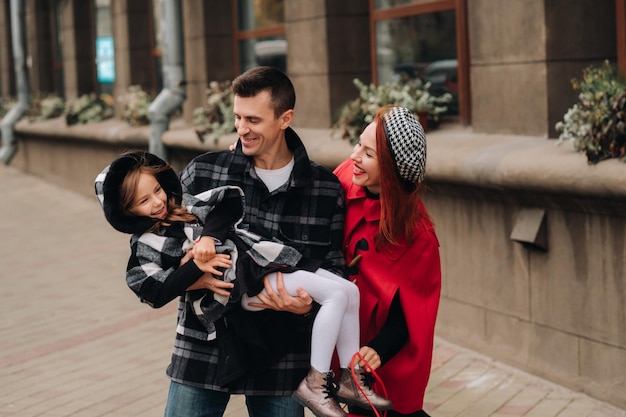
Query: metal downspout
point(9, 147)
point(173, 94)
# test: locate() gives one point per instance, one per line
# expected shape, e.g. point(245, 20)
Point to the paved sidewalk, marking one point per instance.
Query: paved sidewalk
point(74, 341)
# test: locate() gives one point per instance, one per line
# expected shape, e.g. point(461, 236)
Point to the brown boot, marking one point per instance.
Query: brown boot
point(316, 391)
point(350, 393)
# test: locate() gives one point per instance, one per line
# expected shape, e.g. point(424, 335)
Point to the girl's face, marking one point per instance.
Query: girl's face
point(366, 171)
point(150, 199)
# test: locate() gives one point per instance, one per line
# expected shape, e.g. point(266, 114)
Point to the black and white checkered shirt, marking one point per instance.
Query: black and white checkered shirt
point(306, 213)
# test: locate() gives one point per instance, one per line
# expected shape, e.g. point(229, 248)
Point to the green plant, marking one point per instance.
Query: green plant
point(216, 117)
point(44, 108)
point(595, 125)
point(135, 103)
point(5, 105)
point(89, 108)
point(412, 94)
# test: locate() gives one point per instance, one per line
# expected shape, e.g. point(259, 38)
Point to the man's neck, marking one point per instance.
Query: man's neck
point(274, 161)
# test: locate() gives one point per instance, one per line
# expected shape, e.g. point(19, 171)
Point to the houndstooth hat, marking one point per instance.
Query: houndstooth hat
point(407, 142)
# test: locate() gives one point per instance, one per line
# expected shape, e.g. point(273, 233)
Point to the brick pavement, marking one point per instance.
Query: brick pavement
point(74, 341)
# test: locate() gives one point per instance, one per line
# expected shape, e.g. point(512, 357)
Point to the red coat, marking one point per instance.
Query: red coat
point(415, 271)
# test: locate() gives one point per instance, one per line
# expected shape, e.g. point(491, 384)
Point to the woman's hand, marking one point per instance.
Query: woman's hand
point(280, 300)
point(372, 358)
point(207, 281)
point(204, 249)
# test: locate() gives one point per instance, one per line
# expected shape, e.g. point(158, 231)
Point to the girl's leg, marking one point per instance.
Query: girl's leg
point(328, 291)
point(348, 341)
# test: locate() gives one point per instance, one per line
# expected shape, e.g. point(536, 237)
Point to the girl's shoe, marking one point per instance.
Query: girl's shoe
point(316, 391)
point(360, 392)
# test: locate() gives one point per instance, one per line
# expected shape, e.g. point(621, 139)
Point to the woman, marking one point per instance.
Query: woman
point(391, 244)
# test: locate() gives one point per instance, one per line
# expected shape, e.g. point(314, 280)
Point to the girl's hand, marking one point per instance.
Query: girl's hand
point(372, 358)
point(220, 260)
point(207, 281)
point(204, 249)
point(188, 256)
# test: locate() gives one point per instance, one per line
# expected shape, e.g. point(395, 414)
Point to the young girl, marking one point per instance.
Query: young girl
point(141, 195)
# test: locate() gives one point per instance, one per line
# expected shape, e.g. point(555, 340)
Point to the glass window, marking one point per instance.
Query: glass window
point(260, 34)
point(105, 51)
point(57, 52)
point(422, 46)
point(386, 4)
point(271, 51)
point(420, 39)
point(157, 46)
point(259, 14)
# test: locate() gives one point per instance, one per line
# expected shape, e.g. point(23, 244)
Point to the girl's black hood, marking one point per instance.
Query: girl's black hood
point(109, 181)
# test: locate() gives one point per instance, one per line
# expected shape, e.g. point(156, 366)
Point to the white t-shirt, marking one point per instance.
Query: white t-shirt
point(275, 178)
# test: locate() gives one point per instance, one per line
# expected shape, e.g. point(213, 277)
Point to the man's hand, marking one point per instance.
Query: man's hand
point(204, 249)
point(280, 300)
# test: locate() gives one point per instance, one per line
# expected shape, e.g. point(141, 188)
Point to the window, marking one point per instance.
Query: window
point(157, 45)
point(423, 39)
point(260, 34)
point(105, 50)
point(57, 49)
point(620, 9)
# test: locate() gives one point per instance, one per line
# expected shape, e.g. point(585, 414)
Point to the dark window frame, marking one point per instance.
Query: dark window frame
point(240, 35)
point(460, 8)
point(620, 13)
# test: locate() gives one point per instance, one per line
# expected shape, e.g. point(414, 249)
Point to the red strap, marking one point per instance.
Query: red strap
point(355, 358)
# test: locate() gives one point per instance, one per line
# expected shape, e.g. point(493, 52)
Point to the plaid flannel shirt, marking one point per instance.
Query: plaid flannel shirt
point(306, 213)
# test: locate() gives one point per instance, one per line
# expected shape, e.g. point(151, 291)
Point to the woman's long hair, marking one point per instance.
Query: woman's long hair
point(128, 190)
point(401, 208)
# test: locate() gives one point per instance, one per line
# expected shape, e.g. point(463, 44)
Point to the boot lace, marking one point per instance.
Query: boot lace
point(330, 387)
point(368, 378)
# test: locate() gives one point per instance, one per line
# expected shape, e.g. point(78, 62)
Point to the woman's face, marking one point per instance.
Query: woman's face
point(150, 199)
point(366, 170)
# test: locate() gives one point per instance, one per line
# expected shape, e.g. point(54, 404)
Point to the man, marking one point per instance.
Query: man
point(290, 198)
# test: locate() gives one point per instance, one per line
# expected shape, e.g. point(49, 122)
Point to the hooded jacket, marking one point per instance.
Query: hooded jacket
point(154, 272)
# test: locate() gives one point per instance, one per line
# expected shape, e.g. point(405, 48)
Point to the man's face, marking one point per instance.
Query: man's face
point(260, 132)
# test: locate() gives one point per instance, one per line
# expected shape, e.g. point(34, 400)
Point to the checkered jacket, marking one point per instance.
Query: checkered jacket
point(306, 213)
point(153, 271)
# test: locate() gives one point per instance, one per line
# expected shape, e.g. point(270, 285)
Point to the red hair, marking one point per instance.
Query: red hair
point(401, 209)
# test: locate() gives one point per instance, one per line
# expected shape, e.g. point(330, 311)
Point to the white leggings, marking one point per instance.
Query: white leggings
point(337, 321)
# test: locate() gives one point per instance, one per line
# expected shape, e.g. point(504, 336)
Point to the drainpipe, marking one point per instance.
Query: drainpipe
point(173, 94)
point(9, 147)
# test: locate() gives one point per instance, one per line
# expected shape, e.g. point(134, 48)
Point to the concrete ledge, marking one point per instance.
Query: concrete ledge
point(456, 155)
point(520, 162)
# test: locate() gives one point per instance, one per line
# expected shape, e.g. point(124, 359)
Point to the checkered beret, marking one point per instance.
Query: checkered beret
point(407, 142)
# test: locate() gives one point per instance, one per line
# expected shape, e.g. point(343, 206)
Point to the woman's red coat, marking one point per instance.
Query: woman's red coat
point(415, 271)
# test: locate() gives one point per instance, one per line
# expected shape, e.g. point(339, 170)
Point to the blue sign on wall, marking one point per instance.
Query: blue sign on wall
point(105, 59)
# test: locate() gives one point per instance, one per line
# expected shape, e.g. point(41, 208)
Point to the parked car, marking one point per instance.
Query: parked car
point(443, 78)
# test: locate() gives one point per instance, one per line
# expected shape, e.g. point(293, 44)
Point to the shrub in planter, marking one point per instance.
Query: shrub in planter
point(5, 105)
point(595, 125)
point(89, 108)
point(135, 103)
point(44, 108)
point(412, 94)
point(216, 117)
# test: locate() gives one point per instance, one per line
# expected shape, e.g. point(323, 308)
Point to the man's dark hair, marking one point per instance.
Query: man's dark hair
point(257, 79)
